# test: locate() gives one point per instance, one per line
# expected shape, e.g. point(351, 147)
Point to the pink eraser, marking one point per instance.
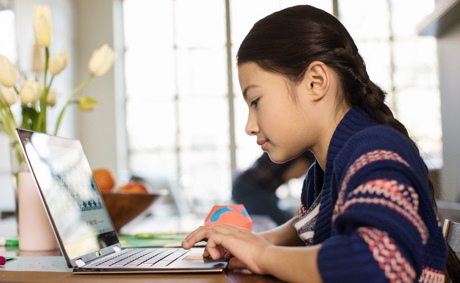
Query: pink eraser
point(233, 214)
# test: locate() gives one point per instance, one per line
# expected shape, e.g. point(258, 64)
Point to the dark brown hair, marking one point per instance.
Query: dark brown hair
point(288, 41)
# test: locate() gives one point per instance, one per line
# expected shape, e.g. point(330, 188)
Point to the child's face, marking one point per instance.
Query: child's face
point(277, 115)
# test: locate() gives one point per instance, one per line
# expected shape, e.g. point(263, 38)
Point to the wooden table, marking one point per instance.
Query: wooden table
point(36, 276)
point(7, 275)
point(63, 274)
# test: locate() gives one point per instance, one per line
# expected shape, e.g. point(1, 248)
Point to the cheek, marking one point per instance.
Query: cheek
point(283, 123)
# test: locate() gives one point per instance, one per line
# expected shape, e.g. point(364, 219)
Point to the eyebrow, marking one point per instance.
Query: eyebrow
point(245, 91)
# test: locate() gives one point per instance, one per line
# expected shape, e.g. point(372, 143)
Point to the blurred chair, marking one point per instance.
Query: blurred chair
point(451, 231)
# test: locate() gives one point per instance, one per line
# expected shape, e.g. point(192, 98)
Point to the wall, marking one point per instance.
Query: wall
point(449, 79)
point(102, 131)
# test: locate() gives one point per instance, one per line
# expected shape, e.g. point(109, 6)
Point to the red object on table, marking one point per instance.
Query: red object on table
point(233, 214)
point(2, 260)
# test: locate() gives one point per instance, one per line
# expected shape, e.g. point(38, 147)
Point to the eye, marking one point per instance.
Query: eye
point(254, 102)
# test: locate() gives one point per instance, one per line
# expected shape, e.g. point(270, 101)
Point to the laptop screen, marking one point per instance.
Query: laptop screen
point(69, 191)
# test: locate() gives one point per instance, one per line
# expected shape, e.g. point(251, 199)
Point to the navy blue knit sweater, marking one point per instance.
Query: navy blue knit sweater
point(376, 222)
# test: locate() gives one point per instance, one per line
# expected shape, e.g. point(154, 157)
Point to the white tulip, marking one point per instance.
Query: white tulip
point(8, 95)
point(51, 98)
point(37, 61)
point(42, 25)
point(8, 73)
point(30, 91)
point(58, 62)
point(101, 61)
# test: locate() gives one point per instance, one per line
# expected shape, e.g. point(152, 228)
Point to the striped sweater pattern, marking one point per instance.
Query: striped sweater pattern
point(376, 222)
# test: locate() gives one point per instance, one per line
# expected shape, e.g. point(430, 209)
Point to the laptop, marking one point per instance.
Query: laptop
point(81, 222)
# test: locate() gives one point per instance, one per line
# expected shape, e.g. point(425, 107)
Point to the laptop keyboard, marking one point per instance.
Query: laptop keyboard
point(139, 258)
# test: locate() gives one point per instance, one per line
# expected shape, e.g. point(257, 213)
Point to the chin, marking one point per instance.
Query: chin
point(276, 158)
point(280, 157)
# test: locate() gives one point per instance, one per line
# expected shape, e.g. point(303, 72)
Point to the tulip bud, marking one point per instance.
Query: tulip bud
point(86, 103)
point(8, 73)
point(30, 91)
point(37, 61)
point(51, 98)
point(101, 61)
point(58, 62)
point(42, 25)
point(8, 96)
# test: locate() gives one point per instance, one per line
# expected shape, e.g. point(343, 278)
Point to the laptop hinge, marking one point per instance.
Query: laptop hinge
point(79, 262)
point(116, 249)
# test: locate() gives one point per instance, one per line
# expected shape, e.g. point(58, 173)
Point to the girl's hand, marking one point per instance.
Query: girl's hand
point(243, 248)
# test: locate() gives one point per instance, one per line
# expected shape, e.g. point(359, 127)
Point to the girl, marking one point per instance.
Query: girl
point(366, 210)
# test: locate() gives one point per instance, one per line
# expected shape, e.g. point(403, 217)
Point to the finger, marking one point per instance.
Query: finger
point(206, 253)
point(235, 263)
point(215, 248)
point(221, 251)
point(228, 256)
point(203, 233)
point(218, 240)
point(196, 236)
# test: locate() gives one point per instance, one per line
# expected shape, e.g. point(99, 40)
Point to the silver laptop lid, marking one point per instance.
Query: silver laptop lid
point(72, 200)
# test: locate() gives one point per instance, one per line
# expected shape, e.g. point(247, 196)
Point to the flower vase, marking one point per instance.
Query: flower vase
point(34, 228)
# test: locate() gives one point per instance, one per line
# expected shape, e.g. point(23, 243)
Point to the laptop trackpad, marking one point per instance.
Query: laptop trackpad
point(198, 258)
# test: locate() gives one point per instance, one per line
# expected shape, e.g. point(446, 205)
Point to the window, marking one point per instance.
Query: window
point(402, 63)
point(185, 113)
point(8, 33)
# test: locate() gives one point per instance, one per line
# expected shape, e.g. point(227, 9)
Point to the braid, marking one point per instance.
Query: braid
point(372, 99)
point(361, 91)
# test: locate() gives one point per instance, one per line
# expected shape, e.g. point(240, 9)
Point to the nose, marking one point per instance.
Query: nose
point(252, 128)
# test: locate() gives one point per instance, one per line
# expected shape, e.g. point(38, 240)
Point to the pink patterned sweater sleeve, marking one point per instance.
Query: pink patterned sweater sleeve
point(383, 225)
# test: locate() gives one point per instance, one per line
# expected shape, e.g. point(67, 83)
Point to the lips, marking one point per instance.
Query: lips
point(263, 144)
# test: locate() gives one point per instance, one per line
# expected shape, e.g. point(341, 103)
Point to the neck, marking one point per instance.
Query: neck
point(321, 148)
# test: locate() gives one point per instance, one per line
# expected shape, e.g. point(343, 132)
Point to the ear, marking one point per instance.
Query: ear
point(317, 80)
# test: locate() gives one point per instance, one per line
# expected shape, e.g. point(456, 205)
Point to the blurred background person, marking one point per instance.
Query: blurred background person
point(256, 186)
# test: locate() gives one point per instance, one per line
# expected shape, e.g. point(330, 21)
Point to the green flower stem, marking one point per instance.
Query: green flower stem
point(41, 122)
point(69, 100)
point(8, 122)
point(6, 125)
point(18, 155)
point(6, 116)
point(17, 161)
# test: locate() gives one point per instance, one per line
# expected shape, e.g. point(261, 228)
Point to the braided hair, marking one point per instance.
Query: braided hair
point(288, 41)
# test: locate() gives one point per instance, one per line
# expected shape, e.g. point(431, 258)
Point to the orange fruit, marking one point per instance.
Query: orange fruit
point(133, 187)
point(104, 179)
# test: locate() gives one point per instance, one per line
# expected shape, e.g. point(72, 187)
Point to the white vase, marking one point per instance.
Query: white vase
point(34, 228)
